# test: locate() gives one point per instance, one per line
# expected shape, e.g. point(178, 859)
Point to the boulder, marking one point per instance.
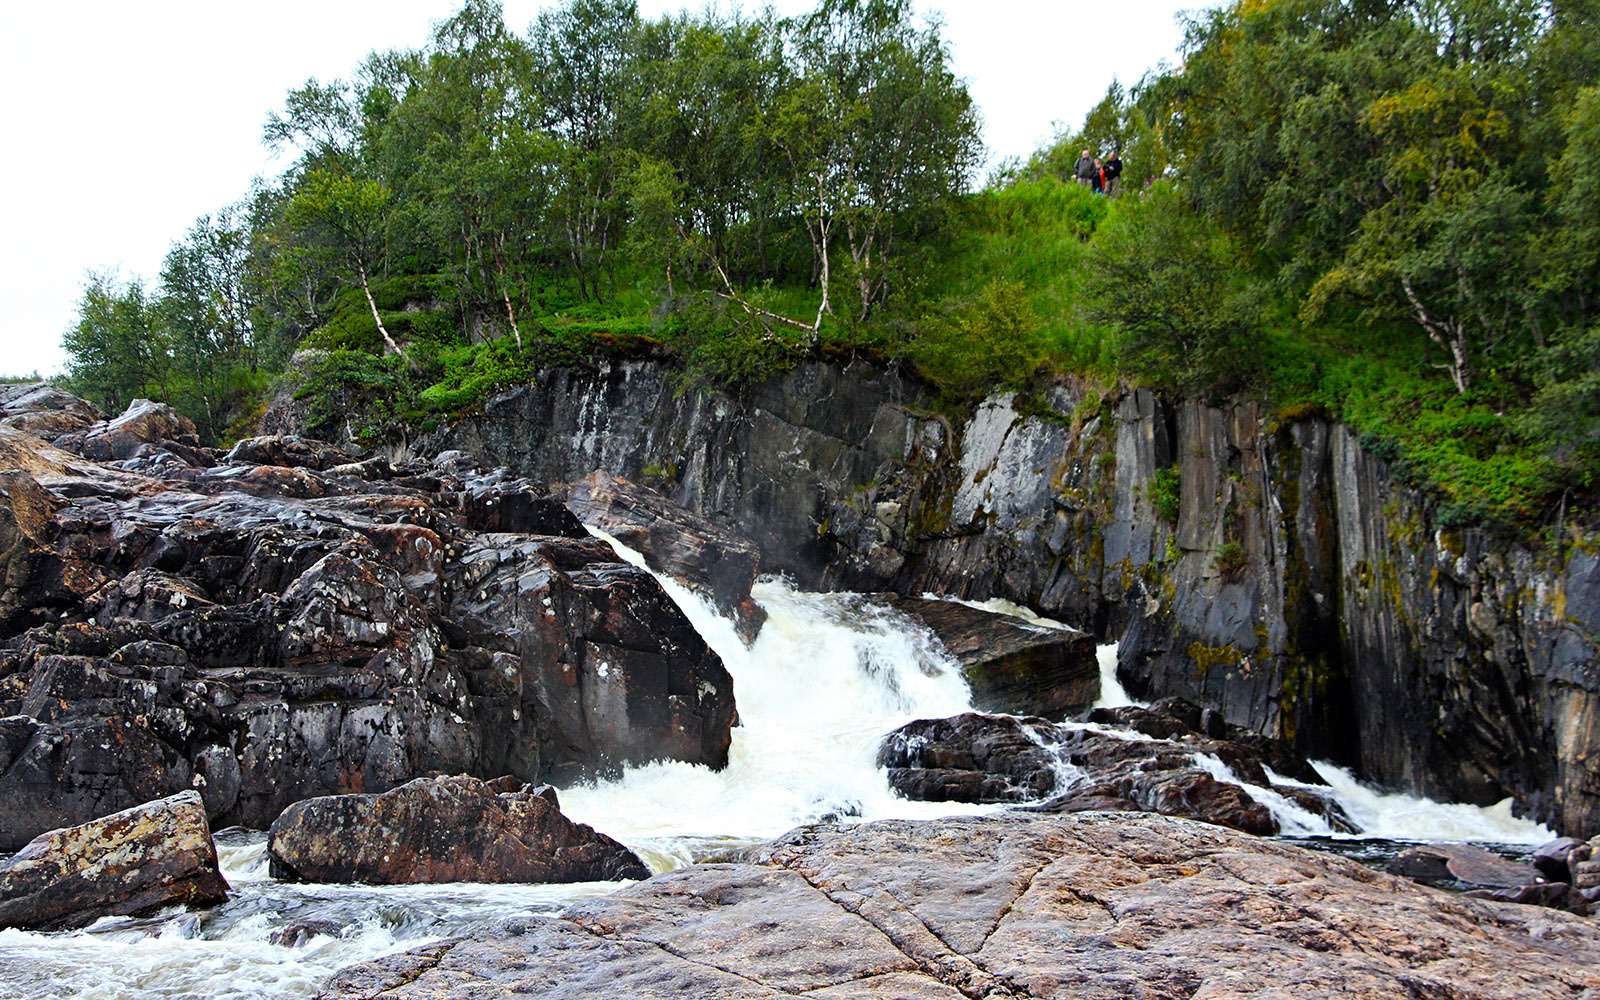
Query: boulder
point(1012, 905)
point(144, 426)
point(691, 548)
point(1012, 665)
point(452, 829)
point(1075, 768)
point(44, 411)
point(1461, 866)
point(269, 633)
point(1551, 859)
point(287, 450)
point(130, 863)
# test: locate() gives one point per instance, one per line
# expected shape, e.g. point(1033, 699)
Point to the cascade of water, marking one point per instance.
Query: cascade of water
point(829, 676)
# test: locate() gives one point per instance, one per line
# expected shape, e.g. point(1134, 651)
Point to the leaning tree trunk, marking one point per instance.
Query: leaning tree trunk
point(366, 288)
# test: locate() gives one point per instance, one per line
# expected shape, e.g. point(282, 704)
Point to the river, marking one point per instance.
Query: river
point(826, 679)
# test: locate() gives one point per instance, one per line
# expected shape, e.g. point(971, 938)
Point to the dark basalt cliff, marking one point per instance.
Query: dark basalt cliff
point(283, 621)
point(1302, 588)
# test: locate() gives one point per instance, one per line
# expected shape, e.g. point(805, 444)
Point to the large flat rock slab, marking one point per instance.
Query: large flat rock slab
point(1016, 905)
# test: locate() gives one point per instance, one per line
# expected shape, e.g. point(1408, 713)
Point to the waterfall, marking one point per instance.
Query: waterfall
point(829, 676)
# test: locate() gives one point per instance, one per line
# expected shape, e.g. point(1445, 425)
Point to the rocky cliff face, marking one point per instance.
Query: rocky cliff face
point(1300, 587)
point(284, 622)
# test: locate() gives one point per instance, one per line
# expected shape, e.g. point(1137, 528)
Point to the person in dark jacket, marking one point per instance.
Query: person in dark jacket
point(1097, 183)
point(1113, 168)
point(1084, 171)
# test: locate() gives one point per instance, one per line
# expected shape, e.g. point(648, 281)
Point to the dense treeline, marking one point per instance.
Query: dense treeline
point(1385, 210)
point(694, 159)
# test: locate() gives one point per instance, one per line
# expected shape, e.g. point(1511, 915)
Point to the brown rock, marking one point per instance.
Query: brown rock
point(126, 864)
point(454, 829)
point(1085, 906)
point(1463, 864)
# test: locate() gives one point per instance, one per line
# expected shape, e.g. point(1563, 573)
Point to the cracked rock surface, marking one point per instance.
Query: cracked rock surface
point(289, 621)
point(1082, 906)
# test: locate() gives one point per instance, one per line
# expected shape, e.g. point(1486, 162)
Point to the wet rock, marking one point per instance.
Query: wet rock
point(129, 863)
point(300, 932)
point(453, 829)
point(1358, 628)
point(288, 451)
point(268, 633)
point(1012, 665)
point(1070, 768)
point(692, 549)
point(1551, 858)
point(144, 427)
point(1555, 895)
point(1013, 905)
point(44, 411)
point(1461, 865)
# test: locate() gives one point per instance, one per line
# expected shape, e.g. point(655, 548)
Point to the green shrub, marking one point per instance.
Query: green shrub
point(1229, 559)
point(977, 343)
point(1166, 493)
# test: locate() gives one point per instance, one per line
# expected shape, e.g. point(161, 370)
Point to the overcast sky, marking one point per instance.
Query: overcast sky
point(127, 120)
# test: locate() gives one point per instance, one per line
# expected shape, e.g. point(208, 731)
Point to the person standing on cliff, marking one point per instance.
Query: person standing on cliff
point(1113, 168)
point(1084, 170)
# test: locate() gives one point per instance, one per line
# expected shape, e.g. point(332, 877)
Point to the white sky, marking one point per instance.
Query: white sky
point(127, 120)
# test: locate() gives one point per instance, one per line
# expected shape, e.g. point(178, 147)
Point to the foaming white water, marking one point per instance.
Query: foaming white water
point(828, 677)
point(1294, 820)
point(229, 951)
point(1397, 816)
point(1112, 693)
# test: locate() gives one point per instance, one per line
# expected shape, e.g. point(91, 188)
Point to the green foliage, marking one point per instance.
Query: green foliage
point(723, 345)
point(1166, 493)
point(1171, 283)
point(976, 343)
point(364, 393)
point(1327, 204)
point(474, 373)
point(1229, 559)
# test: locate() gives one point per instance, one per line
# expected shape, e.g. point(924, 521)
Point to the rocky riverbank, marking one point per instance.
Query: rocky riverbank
point(1081, 906)
point(287, 620)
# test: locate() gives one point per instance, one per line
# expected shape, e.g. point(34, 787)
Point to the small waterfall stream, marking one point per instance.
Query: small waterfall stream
point(828, 677)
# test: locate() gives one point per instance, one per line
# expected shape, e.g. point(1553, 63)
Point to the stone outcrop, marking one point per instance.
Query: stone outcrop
point(1287, 575)
point(1078, 768)
point(130, 863)
point(692, 549)
point(453, 829)
point(1461, 865)
point(1084, 906)
point(1010, 664)
point(267, 633)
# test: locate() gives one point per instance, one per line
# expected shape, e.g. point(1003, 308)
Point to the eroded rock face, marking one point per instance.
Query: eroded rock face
point(452, 829)
point(268, 633)
point(1012, 665)
point(1073, 768)
point(1082, 906)
point(692, 549)
point(129, 863)
point(1452, 663)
